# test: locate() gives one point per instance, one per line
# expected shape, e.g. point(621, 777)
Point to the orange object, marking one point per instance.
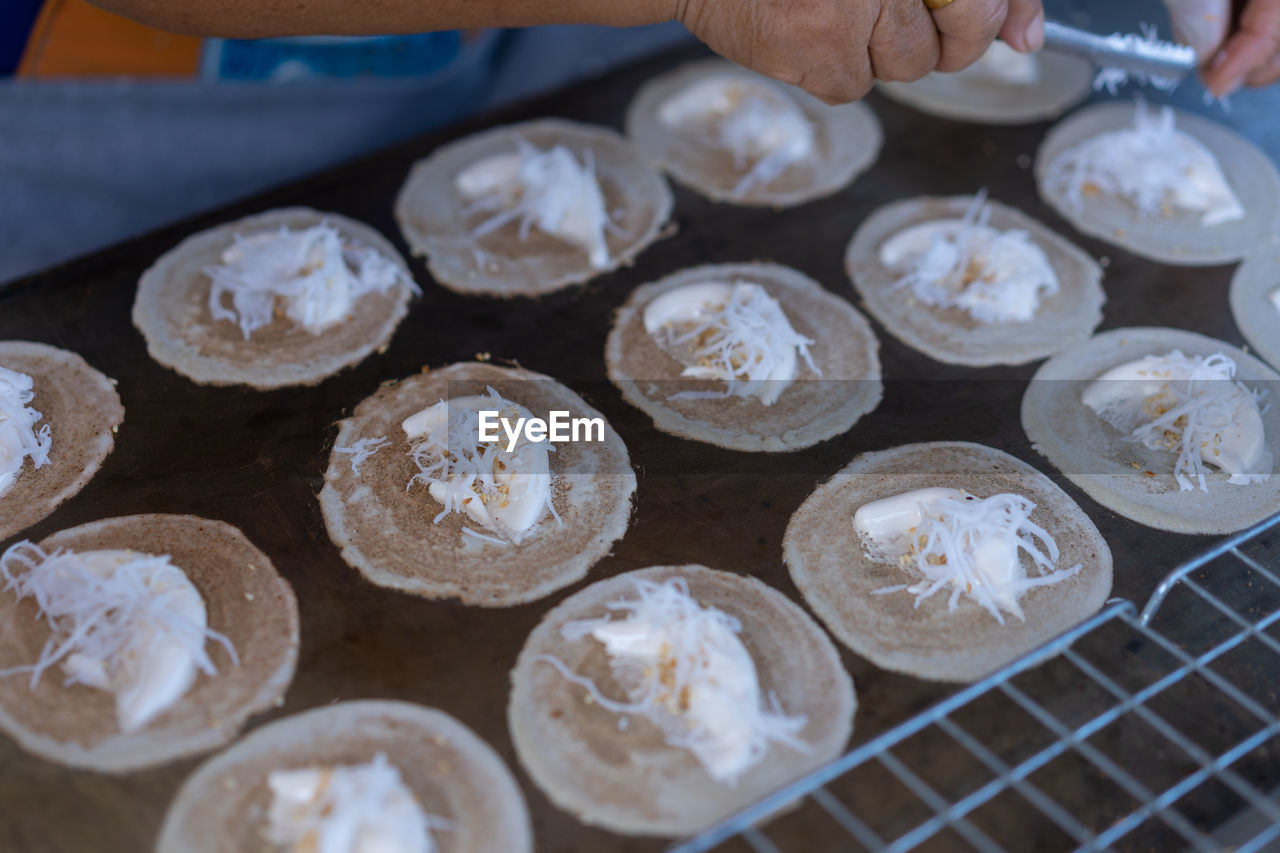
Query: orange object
point(75, 38)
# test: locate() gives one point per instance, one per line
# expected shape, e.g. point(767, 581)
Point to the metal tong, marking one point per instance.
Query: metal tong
point(1155, 59)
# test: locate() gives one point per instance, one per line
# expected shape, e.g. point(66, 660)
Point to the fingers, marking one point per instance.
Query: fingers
point(1249, 53)
point(904, 44)
point(1267, 74)
point(1202, 24)
point(966, 29)
point(1023, 28)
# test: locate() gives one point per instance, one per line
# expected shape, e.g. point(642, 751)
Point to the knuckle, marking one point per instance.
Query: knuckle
point(974, 20)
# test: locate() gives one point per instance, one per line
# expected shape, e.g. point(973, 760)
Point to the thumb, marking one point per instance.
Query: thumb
point(1202, 24)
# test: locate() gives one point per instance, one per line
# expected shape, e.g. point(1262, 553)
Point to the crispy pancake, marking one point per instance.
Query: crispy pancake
point(387, 532)
point(1125, 476)
point(247, 602)
point(83, 411)
point(951, 335)
point(1064, 82)
point(829, 564)
point(172, 312)
point(431, 213)
point(1256, 314)
point(848, 140)
point(809, 411)
point(627, 778)
point(453, 774)
point(1179, 238)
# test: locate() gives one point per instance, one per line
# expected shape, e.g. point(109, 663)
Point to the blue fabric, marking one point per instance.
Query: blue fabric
point(341, 58)
point(84, 164)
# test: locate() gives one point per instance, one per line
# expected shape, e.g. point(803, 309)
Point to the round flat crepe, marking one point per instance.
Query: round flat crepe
point(454, 775)
point(433, 215)
point(1254, 302)
point(625, 776)
point(1123, 475)
point(82, 409)
point(389, 535)
point(246, 601)
point(951, 335)
point(813, 409)
point(829, 564)
point(1064, 82)
point(1178, 238)
point(172, 312)
point(847, 141)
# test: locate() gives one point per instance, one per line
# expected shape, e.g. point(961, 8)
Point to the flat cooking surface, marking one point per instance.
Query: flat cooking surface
point(257, 459)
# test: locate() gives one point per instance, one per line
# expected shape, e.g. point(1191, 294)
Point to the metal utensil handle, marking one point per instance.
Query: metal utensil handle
point(1131, 53)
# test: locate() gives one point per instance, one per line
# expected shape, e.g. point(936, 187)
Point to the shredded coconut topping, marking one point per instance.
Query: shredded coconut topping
point(995, 276)
point(684, 668)
point(1189, 405)
point(971, 546)
point(506, 492)
point(119, 620)
point(361, 450)
point(1112, 78)
point(548, 189)
point(360, 808)
point(312, 276)
point(758, 123)
point(1153, 165)
point(19, 439)
point(736, 333)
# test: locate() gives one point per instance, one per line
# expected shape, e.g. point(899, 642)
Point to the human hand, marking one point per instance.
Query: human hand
point(1248, 55)
point(836, 48)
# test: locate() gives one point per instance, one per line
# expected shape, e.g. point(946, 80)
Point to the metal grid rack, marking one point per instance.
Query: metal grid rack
point(1151, 729)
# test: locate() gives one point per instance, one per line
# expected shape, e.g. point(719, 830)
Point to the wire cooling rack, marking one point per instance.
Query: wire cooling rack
point(1151, 729)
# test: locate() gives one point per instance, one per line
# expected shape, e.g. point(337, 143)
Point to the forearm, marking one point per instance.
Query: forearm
point(263, 18)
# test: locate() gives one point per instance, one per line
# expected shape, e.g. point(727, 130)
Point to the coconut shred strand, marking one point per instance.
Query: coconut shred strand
point(1189, 405)
point(312, 276)
point(506, 492)
point(996, 276)
point(361, 450)
point(119, 620)
point(735, 333)
point(361, 808)
point(549, 189)
point(761, 127)
point(1112, 78)
point(1151, 164)
point(969, 545)
point(684, 668)
point(19, 438)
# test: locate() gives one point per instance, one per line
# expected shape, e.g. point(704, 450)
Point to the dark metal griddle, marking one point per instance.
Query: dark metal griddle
point(256, 459)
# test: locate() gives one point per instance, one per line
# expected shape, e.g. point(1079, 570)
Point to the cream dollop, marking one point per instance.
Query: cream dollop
point(995, 276)
point(1002, 65)
point(359, 808)
point(549, 189)
point(956, 540)
point(1151, 164)
point(1190, 405)
point(684, 667)
point(736, 332)
point(756, 121)
point(313, 276)
point(19, 438)
point(506, 492)
point(121, 621)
